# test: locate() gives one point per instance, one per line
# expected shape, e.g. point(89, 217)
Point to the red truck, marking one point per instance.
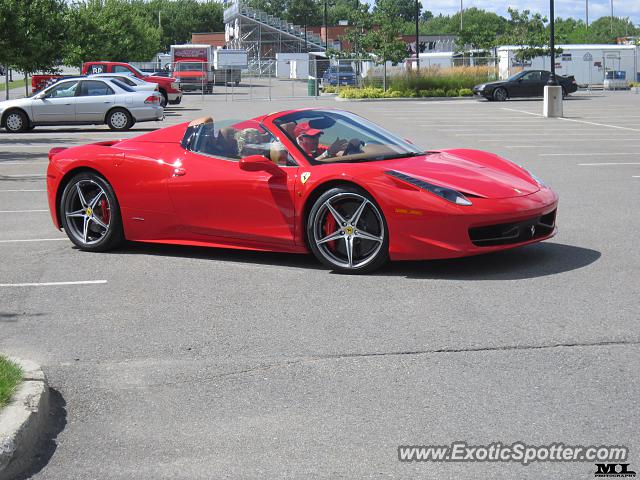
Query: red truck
point(167, 86)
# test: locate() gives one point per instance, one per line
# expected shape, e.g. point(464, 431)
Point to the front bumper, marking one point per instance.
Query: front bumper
point(434, 235)
point(175, 97)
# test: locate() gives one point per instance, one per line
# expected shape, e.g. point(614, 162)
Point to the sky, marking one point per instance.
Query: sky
point(563, 8)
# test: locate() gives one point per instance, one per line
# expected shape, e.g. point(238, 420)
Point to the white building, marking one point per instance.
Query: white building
point(587, 63)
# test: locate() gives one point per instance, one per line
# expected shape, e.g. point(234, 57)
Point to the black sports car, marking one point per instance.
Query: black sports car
point(528, 83)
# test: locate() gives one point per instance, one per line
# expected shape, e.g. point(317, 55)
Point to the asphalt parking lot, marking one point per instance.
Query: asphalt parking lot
point(193, 363)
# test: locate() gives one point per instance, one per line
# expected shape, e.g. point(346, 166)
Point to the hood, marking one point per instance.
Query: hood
point(17, 102)
point(158, 79)
point(497, 83)
point(173, 134)
point(470, 172)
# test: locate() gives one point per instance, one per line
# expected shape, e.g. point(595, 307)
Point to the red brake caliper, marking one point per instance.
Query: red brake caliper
point(104, 207)
point(330, 226)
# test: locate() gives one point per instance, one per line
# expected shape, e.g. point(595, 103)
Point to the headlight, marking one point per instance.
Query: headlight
point(174, 86)
point(481, 87)
point(538, 180)
point(448, 194)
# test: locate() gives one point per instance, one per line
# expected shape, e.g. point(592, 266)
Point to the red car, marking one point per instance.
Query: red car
point(325, 181)
point(167, 86)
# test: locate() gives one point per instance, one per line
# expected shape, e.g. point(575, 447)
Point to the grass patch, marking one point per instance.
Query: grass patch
point(447, 79)
point(14, 84)
point(10, 376)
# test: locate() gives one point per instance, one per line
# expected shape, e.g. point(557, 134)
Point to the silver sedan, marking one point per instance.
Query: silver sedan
point(82, 101)
point(134, 82)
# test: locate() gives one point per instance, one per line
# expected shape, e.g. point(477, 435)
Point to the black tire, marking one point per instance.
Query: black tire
point(366, 253)
point(119, 119)
point(500, 94)
point(74, 212)
point(16, 121)
point(564, 93)
point(164, 99)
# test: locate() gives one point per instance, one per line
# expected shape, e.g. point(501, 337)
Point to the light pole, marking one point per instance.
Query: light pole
point(417, 36)
point(611, 17)
point(461, 9)
point(552, 45)
point(326, 33)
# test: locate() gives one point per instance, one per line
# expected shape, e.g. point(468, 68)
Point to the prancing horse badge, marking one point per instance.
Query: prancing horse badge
point(305, 176)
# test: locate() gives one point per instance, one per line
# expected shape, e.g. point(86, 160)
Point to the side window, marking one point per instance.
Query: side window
point(235, 143)
point(63, 90)
point(95, 68)
point(532, 77)
point(120, 69)
point(95, 88)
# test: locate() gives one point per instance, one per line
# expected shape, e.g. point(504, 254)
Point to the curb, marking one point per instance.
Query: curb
point(404, 99)
point(23, 420)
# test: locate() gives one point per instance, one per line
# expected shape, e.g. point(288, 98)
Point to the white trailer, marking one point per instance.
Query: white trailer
point(587, 63)
point(292, 65)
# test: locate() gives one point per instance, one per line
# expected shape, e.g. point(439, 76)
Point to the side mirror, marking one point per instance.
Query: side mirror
point(40, 96)
point(254, 163)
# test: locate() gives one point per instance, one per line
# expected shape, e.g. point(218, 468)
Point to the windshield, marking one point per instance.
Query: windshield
point(189, 66)
point(346, 69)
point(328, 136)
point(515, 76)
point(140, 72)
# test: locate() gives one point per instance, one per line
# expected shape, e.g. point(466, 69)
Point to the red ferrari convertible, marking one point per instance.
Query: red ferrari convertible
point(325, 181)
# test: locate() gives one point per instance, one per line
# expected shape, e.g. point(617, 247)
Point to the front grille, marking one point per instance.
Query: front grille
point(515, 232)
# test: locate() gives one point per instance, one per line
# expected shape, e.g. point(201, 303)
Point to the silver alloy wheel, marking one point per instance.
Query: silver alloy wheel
point(359, 234)
point(500, 94)
point(88, 220)
point(119, 119)
point(14, 122)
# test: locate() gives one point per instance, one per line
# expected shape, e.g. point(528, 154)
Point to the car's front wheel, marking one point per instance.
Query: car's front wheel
point(16, 121)
point(346, 231)
point(500, 94)
point(90, 213)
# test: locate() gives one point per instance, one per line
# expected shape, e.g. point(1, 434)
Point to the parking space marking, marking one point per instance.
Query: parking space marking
point(27, 240)
point(589, 154)
point(53, 284)
point(608, 163)
point(577, 121)
point(23, 211)
point(24, 190)
point(26, 175)
point(22, 163)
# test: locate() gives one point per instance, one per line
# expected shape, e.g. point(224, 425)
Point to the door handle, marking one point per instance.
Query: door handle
point(179, 172)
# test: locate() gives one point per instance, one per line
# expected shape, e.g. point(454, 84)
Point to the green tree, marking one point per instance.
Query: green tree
point(600, 30)
point(33, 34)
point(480, 29)
point(405, 10)
point(117, 30)
point(303, 12)
point(180, 18)
point(529, 32)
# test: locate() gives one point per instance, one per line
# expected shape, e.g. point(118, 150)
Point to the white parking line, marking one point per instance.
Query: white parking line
point(22, 163)
point(27, 175)
point(604, 164)
point(590, 154)
point(52, 284)
point(24, 190)
point(577, 121)
point(22, 240)
point(23, 211)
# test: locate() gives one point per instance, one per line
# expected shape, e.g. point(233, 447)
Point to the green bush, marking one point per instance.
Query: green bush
point(438, 92)
point(466, 92)
point(329, 89)
point(452, 93)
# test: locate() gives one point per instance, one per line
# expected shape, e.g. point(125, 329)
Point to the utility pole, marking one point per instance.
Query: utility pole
point(586, 8)
point(461, 9)
point(552, 44)
point(417, 36)
point(326, 28)
point(611, 17)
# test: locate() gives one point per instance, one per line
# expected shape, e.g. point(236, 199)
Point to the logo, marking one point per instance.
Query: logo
point(614, 470)
point(89, 211)
point(348, 230)
point(304, 177)
point(532, 229)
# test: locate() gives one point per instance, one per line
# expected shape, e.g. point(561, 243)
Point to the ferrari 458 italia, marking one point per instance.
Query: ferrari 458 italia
point(310, 180)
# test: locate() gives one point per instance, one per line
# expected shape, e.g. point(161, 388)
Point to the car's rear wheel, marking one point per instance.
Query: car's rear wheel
point(119, 119)
point(90, 213)
point(346, 231)
point(16, 121)
point(500, 94)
